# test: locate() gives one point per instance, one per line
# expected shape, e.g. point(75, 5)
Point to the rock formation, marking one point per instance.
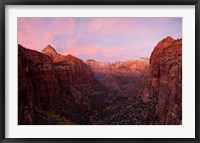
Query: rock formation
point(126, 68)
point(50, 83)
point(63, 89)
point(159, 98)
point(38, 85)
point(69, 69)
point(50, 51)
point(166, 79)
point(122, 77)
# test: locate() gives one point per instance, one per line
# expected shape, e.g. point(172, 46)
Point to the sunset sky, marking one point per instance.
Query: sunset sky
point(103, 39)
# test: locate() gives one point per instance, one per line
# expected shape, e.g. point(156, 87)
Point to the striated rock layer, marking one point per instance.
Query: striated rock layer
point(121, 77)
point(126, 68)
point(69, 69)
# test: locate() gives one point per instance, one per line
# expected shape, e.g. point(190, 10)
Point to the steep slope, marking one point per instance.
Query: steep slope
point(77, 78)
point(73, 71)
point(69, 69)
point(38, 85)
point(166, 80)
point(50, 51)
point(45, 97)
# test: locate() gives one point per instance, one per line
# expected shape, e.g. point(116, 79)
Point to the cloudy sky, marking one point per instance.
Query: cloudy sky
point(103, 39)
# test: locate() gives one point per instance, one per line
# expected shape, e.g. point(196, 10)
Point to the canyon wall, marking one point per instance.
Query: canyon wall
point(166, 80)
point(38, 85)
point(51, 85)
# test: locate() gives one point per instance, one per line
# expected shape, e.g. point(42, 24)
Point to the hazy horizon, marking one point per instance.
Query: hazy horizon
point(100, 39)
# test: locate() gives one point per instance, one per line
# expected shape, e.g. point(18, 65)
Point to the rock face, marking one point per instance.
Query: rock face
point(122, 77)
point(127, 68)
point(38, 85)
point(78, 78)
point(69, 69)
point(50, 83)
point(50, 51)
point(166, 80)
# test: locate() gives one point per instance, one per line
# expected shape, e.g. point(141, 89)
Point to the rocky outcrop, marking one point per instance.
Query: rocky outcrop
point(50, 51)
point(78, 78)
point(73, 71)
point(126, 68)
point(54, 88)
point(70, 70)
point(121, 77)
point(166, 80)
point(38, 85)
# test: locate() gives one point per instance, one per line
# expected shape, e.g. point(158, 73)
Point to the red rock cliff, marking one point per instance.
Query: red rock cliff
point(38, 85)
point(166, 80)
point(69, 69)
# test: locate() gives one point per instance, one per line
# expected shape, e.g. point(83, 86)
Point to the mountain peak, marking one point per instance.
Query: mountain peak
point(50, 51)
point(49, 48)
point(168, 38)
point(165, 42)
point(69, 55)
point(71, 58)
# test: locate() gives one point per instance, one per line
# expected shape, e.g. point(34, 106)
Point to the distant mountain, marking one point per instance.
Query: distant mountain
point(122, 77)
point(125, 68)
point(50, 51)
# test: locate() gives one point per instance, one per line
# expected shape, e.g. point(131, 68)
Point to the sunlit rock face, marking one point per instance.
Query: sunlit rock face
point(126, 68)
point(166, 79)
point(50, 51)
point(122, 77)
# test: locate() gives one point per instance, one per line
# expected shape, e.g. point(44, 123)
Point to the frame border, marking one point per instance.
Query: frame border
point(3, 4)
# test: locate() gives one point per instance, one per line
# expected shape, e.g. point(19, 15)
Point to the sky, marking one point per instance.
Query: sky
point(102, 39)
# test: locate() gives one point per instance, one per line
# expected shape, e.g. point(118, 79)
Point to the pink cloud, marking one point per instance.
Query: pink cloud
point(35, 34)
point(86, 50)
point(97, 38)
point(108, 27)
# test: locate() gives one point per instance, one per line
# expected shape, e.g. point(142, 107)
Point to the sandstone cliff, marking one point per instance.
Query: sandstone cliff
point(122, 77)
point(38, 85)
point(57, 89)
point(166, 80)
point(159, 98)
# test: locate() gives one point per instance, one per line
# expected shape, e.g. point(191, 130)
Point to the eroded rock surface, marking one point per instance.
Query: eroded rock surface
point(166, 79)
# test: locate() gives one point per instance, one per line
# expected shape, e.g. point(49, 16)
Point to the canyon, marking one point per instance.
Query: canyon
point(55, 89)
